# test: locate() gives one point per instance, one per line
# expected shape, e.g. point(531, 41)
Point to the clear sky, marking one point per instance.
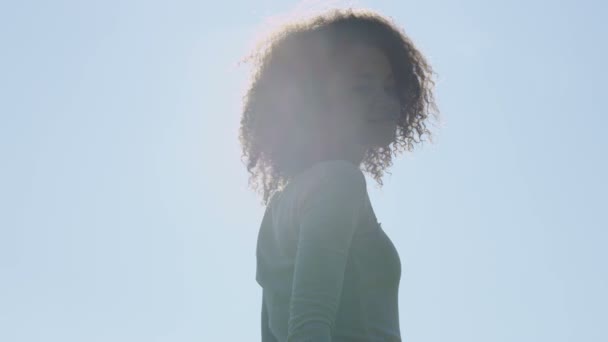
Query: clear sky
point(125, 211)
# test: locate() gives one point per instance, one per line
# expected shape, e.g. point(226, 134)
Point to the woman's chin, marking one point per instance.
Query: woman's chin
point(383, 141)
point(386, 136)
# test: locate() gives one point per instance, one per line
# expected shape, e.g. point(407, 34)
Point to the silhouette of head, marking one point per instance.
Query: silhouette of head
point(343, 85)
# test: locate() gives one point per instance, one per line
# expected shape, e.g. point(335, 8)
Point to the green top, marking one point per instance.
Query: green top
point(327, 269)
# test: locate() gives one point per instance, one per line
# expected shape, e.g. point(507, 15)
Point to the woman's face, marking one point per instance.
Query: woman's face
point(362, 95)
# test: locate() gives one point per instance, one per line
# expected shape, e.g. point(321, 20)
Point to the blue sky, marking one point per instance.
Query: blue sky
point(126, 214)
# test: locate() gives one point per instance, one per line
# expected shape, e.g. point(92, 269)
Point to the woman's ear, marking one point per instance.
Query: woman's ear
point(287, 99)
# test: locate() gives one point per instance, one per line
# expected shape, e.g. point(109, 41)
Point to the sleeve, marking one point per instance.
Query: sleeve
point(327, 217)
point(267, 335)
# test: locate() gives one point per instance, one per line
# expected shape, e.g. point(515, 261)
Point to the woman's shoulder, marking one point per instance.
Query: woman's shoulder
point(335, 172)
point(338, 179)
point(334, 178)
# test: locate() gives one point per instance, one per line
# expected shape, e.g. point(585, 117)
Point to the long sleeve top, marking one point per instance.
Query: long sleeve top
point(328, 271)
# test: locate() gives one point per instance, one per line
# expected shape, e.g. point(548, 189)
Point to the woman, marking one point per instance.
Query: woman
point(328, 97)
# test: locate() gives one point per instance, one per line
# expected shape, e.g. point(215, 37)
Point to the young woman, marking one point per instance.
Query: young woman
point(330, 98)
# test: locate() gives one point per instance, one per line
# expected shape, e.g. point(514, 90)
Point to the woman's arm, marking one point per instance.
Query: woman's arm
point(267, 335)
point(327, 219)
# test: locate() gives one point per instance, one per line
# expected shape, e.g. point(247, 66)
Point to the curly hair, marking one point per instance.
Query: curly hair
point(284, 89)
